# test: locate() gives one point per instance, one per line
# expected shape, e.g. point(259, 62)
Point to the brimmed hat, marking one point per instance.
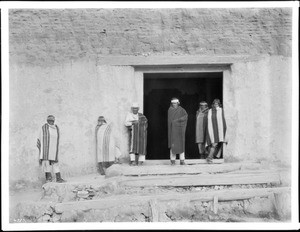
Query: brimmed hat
point(135, 105)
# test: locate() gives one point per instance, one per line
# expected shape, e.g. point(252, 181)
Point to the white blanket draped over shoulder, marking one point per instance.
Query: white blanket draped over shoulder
point(107, 143)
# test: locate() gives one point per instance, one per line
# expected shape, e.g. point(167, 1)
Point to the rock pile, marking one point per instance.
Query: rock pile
point(84, 193)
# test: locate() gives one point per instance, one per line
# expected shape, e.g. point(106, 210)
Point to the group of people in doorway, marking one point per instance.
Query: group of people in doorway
point(210, 136)
point(210, 131)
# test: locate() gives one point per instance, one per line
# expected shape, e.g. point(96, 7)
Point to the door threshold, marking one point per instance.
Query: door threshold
point(187, 161)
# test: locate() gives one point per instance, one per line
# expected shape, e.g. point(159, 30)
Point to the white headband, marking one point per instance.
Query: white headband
point(175, 101)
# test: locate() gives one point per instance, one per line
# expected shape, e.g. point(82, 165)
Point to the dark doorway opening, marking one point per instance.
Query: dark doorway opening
point(190, 88)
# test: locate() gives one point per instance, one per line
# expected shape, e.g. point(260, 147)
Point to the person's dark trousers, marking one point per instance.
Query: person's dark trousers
point(48, 177)
point(218, 151)
point(211, 154)
point(102, 166)
point(58, 178)
point(108, 164)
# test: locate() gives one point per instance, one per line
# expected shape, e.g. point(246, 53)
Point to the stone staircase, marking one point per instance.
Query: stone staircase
point(160, 192)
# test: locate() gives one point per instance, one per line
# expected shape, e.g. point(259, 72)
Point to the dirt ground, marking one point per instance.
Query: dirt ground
point(96, 198)
point(233, 211)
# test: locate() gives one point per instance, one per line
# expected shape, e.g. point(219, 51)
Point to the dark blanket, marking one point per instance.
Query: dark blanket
point(177, 121)
point(139, 136)
point(201, 126)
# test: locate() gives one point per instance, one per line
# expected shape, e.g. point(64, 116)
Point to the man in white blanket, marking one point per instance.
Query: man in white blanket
point(107, 145)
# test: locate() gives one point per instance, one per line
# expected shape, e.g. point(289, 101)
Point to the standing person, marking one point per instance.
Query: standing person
point(107, 145)
point(48, 144)
point(216, 128)
point(177, 121)
point(137, 124)
point(201, 127)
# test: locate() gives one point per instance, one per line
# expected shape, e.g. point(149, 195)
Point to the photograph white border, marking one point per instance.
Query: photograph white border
point(5, 6)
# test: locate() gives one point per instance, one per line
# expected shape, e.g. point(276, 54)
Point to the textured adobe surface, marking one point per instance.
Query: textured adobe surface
point(54, 36)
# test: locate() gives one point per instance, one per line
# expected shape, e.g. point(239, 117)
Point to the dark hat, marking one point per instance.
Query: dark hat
point(101, 118)
point(217, 101)
point(51, 117)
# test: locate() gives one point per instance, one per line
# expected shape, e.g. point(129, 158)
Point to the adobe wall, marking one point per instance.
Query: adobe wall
point(56, 67)
point(258, 105)
point(45, 37)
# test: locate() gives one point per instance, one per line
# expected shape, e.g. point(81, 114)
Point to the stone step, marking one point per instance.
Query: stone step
point(239, 178)
point(187, 161)
point(97, 186)
point(161, 169)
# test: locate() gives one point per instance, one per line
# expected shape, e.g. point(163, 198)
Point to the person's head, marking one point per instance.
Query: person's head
point(203, 105)
point(216, 103)
point(175, 102)
point(51, 119)
point(101, 120)
point(135, 108)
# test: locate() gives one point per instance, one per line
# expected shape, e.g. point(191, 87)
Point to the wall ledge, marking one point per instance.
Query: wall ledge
point(176, 60)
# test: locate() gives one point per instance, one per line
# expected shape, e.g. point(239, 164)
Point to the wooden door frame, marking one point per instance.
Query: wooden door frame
point(139, 81)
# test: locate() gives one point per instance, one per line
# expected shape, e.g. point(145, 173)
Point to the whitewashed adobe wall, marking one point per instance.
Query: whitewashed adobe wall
point(55, 69)
point(76, 94)
point(257, 101)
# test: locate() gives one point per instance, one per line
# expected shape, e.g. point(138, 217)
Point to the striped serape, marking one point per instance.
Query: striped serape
point(48, 143)
point(138, 142)
point(105, 143)
point(216, 126)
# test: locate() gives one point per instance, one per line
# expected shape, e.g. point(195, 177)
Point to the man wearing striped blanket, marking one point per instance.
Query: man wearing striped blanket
point(137, 125)
point(216, 130)
point(48, 144)
point(107, 144)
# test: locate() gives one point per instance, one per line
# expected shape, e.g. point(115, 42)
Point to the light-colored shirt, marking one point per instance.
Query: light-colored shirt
point(131, 117)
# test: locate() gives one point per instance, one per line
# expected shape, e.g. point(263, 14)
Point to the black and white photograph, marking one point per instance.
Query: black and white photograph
point(143, 115)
